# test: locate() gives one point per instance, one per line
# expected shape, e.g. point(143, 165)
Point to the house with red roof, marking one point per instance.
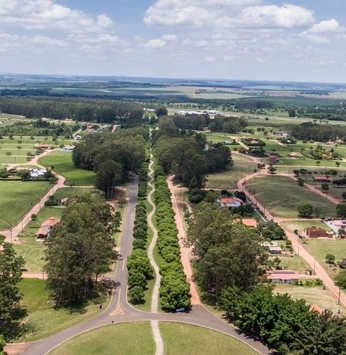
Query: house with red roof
point(46, 227)
point(283, 276)
point(229, 202)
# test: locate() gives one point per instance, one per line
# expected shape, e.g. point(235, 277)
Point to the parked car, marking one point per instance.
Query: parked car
point(181, 309)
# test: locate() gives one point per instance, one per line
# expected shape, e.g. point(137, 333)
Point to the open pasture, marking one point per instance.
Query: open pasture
point(281, 196)
point(17, 198)
point(62, 162)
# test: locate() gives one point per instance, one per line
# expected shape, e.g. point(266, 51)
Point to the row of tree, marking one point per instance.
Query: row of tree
point(81, 109)
point(287, 325)
point(174, 289)
point(79, 249)
point(318, 132)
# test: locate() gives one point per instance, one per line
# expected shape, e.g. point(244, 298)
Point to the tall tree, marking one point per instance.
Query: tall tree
point(11, 313)
point(109, 174)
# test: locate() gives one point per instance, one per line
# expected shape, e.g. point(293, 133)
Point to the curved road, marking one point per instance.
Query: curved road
point(120, 311)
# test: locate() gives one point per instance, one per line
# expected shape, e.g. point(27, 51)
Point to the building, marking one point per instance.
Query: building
point(321, 178)
point(229, 202)
point(46, 227)
point(35, 173)
point(41, 146)
point(273, 159)
point(314, 232)
point(283, 276)
point(272, 247)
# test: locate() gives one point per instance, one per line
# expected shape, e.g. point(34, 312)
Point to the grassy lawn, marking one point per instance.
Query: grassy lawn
point(62, 162)
point(72, 191)
point(43, 319)
point(17, 198)
point(228, 179)
point(121, 339)
point(295, 263)
point(192, 340)
point(281, 196)
point(313, 295)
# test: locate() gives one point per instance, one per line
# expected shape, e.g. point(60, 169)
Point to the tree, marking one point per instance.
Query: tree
point(109, 174)
point(161, 111)
point(292, 113)
point(2, 345)
point(136, 294)
point(79, 249)
point(325, 187)
point(343, 195)
point(340, 279)
point(330, 259)
point(301, 182)
point(11, 313)
point(305, 210)
point(174, 292)
point(341, 210)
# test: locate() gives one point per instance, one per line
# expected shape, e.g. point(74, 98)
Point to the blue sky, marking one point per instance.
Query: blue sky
point(295, 40)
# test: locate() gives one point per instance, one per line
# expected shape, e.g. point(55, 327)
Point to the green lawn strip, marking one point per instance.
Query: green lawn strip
point(44, 319)
point(62, 162)
point(295, 263)
point(72, 191)
point(11, 160)
point(181, 338)
point(17, 198)
point(314, 295)
point(281, 196)
point(228, 179)
point(122, 339)
point(302, 225)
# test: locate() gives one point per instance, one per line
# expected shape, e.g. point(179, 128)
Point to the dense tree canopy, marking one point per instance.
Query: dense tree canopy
point(79, 249)
point(11, 313)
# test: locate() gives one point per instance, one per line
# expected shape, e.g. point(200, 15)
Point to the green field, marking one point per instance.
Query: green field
point(192, 340)
point(17, 198)
point(136, 338)
point(43, 318)
point(62, 163)
point(228, 179)
point(72, 191)
point(281, 196)
point(292, 263)
point(302, 225)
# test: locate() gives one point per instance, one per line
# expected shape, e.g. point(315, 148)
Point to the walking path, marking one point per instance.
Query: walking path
point(155, 295)
point(184, 251)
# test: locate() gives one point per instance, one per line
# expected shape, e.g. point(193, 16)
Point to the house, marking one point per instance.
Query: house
point(274, 250)
point(77, 137)
point(273, 159)
point(63, 201)
point(34, 173)
point(283, 276)
point(46, 227)
point(230, 202)
point(314, 232)
point(249, 222)
point(321, 178)
point(315, 308)
point(293, 155)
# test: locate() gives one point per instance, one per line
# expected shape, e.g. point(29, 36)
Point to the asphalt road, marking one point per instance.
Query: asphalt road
point(120, 311)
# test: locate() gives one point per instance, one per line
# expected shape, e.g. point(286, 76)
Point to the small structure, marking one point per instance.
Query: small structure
point(249, 222)
point(314, 232)
point(274, 250)
point(46, 227)
point(41, 146)
point(63, 201)
point(293, 155)
point(35, 173)
point(273, 159)
point(229, 202)
point(77, 137)
point(321, 178)
point(283, 276)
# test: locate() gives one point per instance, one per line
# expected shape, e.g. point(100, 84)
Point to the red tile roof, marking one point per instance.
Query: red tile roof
point(230, 200)
point(51, 222)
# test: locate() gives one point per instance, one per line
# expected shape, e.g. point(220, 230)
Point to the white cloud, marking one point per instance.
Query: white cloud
point(48, 41)
point(208, 58)
point(227, 13)
point(46, 14)
point(327, 27)
point(102, 38)
point(260, 60)
point(169, 37)
point(201, 43)
point(154, 43)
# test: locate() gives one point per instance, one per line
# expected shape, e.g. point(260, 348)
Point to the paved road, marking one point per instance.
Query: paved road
point(120, 311)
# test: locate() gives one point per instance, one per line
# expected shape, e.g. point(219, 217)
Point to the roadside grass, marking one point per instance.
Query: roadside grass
point(281, 196)
point(17, 198)
point(228, 179)
point(72, 191)
point(181, 338)
point(44, 319)
point(295, 263)
point(122, 339)
point(62, 162)
point(319, 248)
point(314, 295)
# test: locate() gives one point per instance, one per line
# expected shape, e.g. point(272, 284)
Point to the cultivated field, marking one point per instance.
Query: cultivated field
point(281, 196)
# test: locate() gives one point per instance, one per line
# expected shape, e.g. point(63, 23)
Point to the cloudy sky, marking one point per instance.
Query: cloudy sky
point(296, 40)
